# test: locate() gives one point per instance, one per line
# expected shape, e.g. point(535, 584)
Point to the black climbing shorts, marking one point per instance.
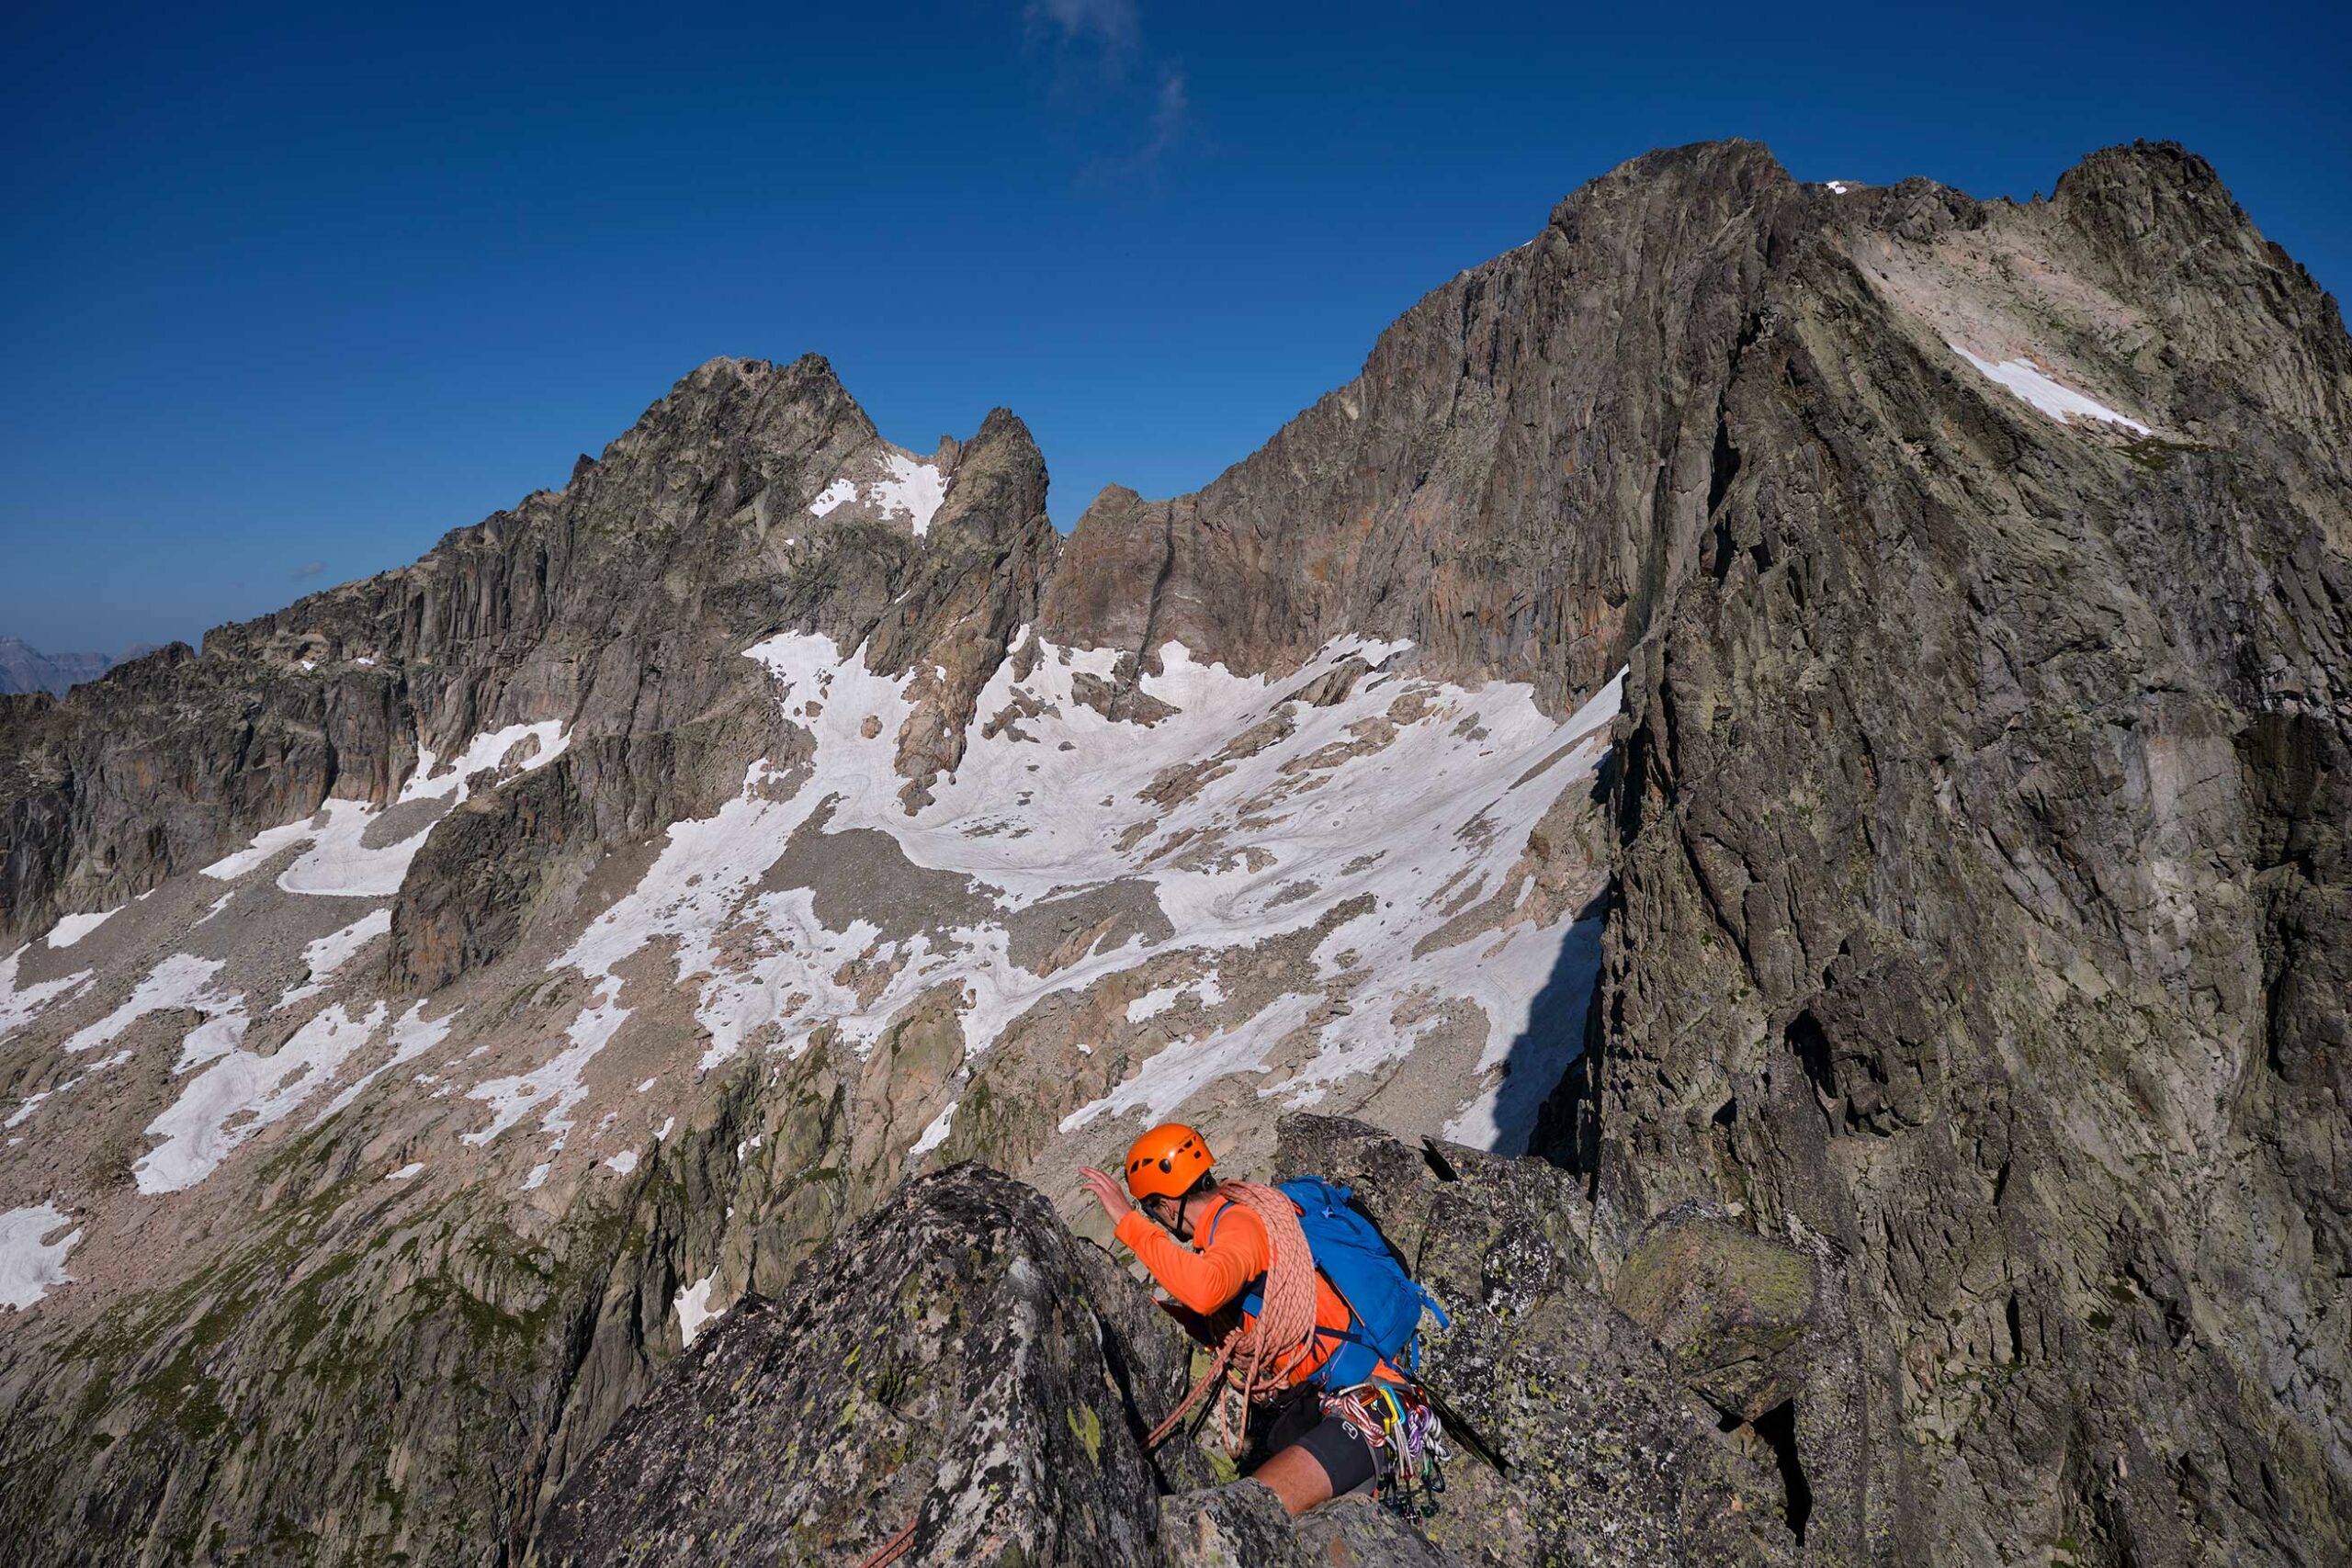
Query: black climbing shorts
point(1296, 1420)
point(1341, 1450)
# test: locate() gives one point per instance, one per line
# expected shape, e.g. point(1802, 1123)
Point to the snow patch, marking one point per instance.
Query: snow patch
point(1180, 1070)
point(336, 860)
point(934, 1134)
point(2060, 403)
point(557, 1083)
point(71, 928)
point(1152, 1003)
point(413, 1036)
point(181, 980)
point(624, 1162)
point(404, 1172)
point(30, 1264)
point(339, 863)
point(834, 497)
point(33, 1102)
point(332, 951)
point(905, 488)
point(547, 737)
point(264, 844)
point(693, 1307)
point(915, 489)
point(241, 1093)
point(20, 1007)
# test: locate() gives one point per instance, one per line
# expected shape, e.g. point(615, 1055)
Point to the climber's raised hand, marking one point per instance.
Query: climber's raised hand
point(1107, 1191)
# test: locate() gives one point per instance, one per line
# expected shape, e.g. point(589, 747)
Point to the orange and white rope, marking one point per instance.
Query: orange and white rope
point(1262, 1354)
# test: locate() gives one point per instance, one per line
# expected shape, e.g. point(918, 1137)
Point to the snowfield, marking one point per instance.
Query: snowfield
point(1384, 830)
point(1262, 837)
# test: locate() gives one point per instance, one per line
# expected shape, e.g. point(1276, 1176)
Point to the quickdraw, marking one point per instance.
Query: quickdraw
point(1406, 1441)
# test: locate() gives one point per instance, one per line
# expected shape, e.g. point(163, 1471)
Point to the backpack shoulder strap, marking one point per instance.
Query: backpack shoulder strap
point(1224, 1206)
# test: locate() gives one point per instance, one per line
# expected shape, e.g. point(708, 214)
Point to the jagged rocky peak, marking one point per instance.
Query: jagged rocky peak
point(1509, 483)
point(1529, 456)
point(752, 499)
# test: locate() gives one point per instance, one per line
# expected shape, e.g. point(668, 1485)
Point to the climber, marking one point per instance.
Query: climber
point(1341, 1412)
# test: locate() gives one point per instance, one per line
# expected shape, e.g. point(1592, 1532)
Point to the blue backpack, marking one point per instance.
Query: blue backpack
point(1384, 1302)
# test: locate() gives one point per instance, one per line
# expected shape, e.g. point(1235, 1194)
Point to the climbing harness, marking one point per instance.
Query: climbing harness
point(1406, 1441)
point(1260, 1355)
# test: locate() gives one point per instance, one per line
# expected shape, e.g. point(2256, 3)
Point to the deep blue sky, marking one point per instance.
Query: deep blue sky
point(287, 293)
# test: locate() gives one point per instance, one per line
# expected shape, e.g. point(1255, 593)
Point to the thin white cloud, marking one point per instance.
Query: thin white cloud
point(1170, 118)
point(1168, 129)
point(1112, 24)
point(1102, 39)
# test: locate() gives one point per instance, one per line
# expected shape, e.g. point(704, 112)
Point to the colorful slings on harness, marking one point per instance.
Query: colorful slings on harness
point(1406, 1441)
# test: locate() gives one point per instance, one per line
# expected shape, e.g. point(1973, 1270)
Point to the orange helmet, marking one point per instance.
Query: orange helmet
point(1166, 1161)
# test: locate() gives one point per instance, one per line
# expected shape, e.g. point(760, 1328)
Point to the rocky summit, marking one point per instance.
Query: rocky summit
point(1768, 783)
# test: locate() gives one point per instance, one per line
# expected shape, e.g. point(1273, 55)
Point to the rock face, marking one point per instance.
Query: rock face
point(1983, 872)
point(426, 1009)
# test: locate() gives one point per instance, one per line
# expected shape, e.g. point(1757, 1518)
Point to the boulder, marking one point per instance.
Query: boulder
point(956, 1363)
point(1731, 1309)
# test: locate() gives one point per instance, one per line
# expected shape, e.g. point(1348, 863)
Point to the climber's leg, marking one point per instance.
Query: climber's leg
point(1330, 1460)
point(1297, 1478)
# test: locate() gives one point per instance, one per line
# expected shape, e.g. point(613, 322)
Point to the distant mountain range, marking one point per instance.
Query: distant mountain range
point(23, 668)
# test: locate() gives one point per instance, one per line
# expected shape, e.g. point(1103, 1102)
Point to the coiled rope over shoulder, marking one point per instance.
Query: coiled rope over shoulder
point(1263, 1353)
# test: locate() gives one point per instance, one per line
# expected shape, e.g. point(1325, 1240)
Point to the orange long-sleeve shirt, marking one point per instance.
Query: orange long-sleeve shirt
point(1206, 1279)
